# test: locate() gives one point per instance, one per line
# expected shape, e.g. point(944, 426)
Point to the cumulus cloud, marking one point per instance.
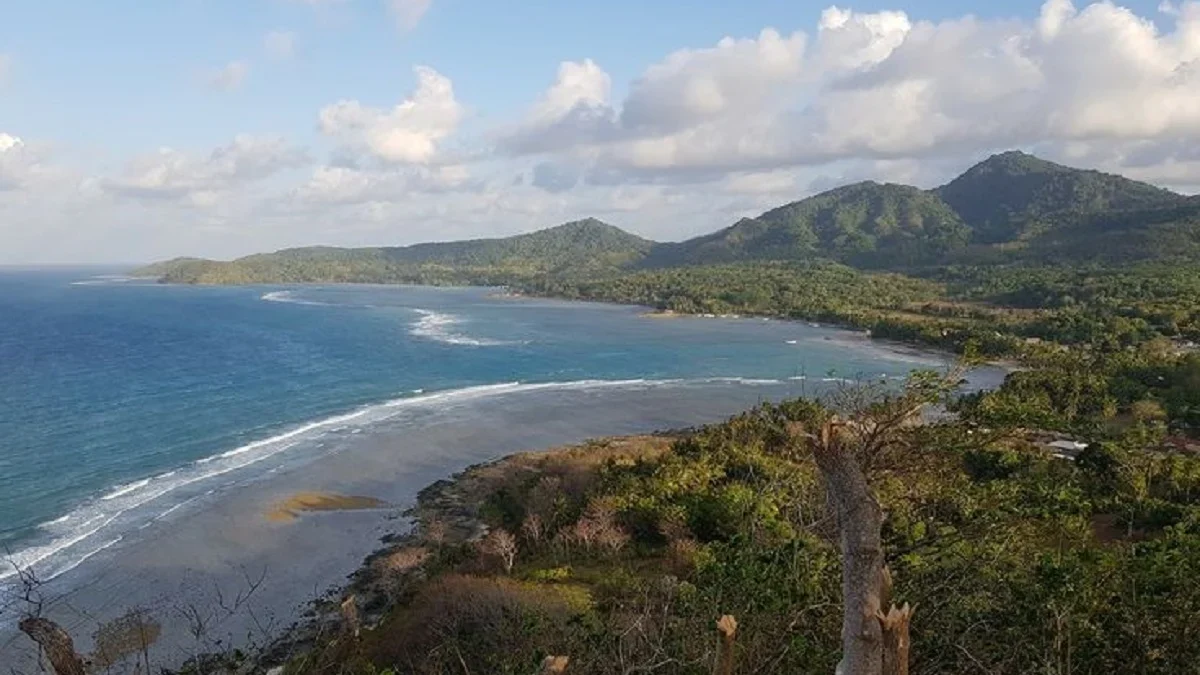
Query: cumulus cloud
point(14, 162)
point(229, 77)
point(349, 185)
point(26, 167)
point(409, 133)
point(696, 140)
point(172, 175)
point(280, 45)
point(695, 86)
point(881, 85)
point(573, 111)
point(408, 13)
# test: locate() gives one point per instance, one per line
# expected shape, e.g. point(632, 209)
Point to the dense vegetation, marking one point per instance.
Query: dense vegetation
point(1020, 557)
point(622, 554)
point(1010, 208)
point(586, 246)
point(1014, 252)
point(866, 224)
point(1014, 196)
point(998, 311)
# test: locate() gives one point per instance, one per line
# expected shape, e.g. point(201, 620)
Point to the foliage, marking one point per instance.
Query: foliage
point(1013, 195)
point(1089, 565)
point(586, 245)
point(866, 223)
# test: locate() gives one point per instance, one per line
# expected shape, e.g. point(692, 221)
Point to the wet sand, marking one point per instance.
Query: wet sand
point(222, 573)
point(239, 566)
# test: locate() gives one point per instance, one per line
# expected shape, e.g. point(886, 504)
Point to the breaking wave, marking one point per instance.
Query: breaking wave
point(441, 328)
point(104, 521)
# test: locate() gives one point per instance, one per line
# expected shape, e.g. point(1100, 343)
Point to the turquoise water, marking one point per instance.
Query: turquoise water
point(122, 402)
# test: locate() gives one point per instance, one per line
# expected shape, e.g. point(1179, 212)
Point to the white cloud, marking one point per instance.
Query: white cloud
point(408, 13)
point(704, 136)
point(229, 77)
point(694, 86)
point(409, 133)
point(280, 45)
point(881, 85)
point(14, 162)
point(762, 183)
point(347, 185)
point(26, 168)
point(172, 175)
point(9, 142)
point(575, 109)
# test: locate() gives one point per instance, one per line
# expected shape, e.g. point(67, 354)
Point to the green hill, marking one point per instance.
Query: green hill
point(585, 246)
point(867, 224)
point(1014, 196)
point(1010, 208)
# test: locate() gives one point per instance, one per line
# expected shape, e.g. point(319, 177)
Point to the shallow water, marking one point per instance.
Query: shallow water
point(145, 429)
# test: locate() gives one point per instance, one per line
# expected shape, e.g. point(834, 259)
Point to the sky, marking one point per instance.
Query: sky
point(133, 131)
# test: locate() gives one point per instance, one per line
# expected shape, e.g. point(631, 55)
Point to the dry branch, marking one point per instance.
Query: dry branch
point(56, 643)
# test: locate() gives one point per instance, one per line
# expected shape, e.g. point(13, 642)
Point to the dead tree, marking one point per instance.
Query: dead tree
point(860, 520)
point(726, 631)
point(845, 448)
point(56, 644)
point(351, 623)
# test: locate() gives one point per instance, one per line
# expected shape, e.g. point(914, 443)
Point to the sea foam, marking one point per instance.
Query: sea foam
point(439, 326)
point(102, 522)
point(290, 298)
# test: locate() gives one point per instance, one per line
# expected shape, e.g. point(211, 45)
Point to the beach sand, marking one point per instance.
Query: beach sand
point(249, 557)
point(250, 576)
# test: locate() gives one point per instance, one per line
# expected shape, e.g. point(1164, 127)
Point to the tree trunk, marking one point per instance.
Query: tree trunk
point(350, 619)
point(860, 520)
point(56, 643)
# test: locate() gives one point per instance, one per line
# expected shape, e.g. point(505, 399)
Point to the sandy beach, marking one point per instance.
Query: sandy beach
point(241, 566)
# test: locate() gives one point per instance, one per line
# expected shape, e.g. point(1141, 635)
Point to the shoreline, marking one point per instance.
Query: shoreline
point(506, 293)
point(182, 559)
point(627, 410)
point(446, 512)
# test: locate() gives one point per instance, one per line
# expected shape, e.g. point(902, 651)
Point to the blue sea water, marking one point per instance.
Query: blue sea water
point(123, 401)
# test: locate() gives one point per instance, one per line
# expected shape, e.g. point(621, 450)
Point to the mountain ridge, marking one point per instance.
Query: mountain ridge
point(1010, 207)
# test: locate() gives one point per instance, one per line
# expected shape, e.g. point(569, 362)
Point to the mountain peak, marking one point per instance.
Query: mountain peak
point(1016, 163)
point(1013, 195)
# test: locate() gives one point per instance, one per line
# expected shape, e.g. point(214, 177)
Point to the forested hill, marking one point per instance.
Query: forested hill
point(579, 247)
point(865, 224)
point(1013, 195)
point(1011, 207)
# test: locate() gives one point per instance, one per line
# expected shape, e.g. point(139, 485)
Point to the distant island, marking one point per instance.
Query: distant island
point(1015, 252)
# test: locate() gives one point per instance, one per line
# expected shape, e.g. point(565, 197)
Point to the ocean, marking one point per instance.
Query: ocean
point(142, 425)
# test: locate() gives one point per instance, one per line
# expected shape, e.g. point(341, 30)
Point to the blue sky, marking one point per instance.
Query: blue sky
point(138, 130)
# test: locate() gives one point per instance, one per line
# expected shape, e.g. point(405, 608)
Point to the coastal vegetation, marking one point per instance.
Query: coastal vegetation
point(1051, 525)
point(1015, 252)
point(621, 555)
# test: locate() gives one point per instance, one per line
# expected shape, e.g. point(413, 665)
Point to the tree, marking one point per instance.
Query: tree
point(503, 545)
point(845, 447)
